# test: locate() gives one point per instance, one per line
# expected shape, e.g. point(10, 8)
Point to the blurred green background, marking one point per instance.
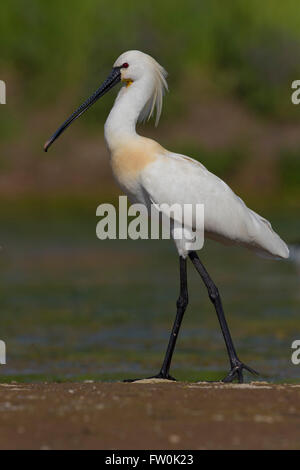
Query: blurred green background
point(75, 307)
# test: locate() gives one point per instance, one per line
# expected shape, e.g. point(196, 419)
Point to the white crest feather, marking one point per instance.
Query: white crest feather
point(156, 99)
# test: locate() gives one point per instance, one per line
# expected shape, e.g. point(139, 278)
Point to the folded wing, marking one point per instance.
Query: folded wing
point(175, 178)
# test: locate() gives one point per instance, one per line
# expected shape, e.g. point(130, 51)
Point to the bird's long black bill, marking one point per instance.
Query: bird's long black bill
point(113, 78)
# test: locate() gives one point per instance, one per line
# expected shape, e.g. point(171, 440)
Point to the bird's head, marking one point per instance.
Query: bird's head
point(131, 67)
point(136, 65)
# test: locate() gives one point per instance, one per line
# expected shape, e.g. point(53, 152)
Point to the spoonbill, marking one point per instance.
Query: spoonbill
point(150, 174)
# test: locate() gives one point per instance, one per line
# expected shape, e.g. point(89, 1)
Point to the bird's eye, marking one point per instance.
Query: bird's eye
point(125, 65)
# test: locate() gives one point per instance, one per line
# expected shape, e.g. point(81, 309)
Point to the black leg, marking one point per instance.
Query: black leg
point(181, 307)
point(236, 365)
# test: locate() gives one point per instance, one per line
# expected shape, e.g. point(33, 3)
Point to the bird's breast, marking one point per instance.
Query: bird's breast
point(129, 160)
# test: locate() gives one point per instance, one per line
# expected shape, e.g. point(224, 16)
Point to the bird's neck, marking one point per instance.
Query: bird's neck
point(120, 125)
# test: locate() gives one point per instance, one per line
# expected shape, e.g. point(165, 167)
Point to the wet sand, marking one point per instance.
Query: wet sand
point(149, 416)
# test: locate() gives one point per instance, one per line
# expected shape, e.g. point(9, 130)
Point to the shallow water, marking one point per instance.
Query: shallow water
point(74, 307)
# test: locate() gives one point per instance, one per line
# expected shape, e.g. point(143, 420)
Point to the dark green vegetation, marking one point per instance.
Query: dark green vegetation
point(250, 48)
point(227, 64)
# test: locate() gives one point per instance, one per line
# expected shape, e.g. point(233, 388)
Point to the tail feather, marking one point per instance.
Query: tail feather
point(267, 242)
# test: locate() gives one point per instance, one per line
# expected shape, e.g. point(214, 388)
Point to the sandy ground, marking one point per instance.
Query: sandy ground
point(149, 416)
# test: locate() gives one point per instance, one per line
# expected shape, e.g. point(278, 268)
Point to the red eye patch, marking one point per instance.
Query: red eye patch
point(125, 65)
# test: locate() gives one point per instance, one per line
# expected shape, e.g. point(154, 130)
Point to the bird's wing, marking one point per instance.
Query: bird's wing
point(175, 178)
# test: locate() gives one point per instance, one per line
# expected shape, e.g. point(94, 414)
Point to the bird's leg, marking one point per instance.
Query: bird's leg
point(181, 307)
point(237, 366)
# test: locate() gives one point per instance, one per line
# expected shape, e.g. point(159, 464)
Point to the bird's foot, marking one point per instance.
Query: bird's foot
point(159, 376)
point(236, 372)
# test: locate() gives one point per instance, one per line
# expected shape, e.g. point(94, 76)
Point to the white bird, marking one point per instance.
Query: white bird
point(150, 174)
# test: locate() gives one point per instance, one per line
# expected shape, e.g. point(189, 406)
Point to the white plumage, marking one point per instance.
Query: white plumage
point(165, 177)
point(227, 218)
point(157, 84)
